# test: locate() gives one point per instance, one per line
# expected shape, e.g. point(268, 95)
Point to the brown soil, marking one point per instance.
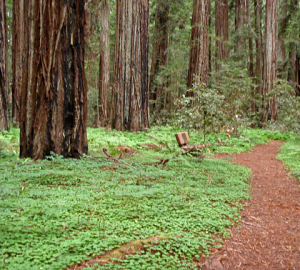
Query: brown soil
point(269, 234)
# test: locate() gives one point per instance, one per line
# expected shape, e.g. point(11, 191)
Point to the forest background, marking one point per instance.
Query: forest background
point(214, 55)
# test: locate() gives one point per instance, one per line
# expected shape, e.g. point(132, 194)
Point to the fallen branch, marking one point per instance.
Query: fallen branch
point(164, 161)
point(109, 156)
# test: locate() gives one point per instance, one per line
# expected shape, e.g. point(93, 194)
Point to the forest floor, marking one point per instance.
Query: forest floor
point(268, 236)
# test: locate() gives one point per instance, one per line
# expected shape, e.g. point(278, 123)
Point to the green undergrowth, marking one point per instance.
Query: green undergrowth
point(58, 212)
point(290, 156)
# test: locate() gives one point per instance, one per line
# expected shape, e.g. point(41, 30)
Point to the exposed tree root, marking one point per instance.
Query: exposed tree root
point(130, 248)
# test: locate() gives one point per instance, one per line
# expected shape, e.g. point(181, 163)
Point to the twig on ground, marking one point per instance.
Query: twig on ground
point(164, 161)
point(254, 225)
point(109, 156)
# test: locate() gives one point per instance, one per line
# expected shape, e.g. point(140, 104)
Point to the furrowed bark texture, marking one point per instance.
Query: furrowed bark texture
point(104, 71)
point(54, 89)
point(198, 52)
point(17, 58)
point(221, 30)
point(130, 109)
point(160, 54)
point(270, 63)
point(4, 118)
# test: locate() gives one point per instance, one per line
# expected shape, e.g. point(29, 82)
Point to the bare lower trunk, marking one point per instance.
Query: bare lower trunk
point(270, 63)
point(281, 37)
point(240, 24)
point(251, 58)
point(209, 41)
point(221, 30)
point(54, 89)
point(258, 46)
point(198, 51)
point(4, 118)
point(160, 54)
point(104, 71)
point(17, 58)
point(130, 102)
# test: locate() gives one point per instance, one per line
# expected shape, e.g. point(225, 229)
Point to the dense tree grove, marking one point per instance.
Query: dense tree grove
point(125, 64)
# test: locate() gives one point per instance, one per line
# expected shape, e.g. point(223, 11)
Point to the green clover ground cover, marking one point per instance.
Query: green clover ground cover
point(290, 156)
point(58, 212)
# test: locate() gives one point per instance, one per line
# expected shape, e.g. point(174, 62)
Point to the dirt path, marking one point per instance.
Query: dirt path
point(269, 234)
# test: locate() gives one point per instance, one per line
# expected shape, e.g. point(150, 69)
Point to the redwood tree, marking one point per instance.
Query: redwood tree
point(198, 52)
point(270, 63)
point(17, 57)
point(160, 53)
point(4, 119)
point(130, 102)
point(258, 46)
point(104, 71)
point(54, 89)
point(221, 30)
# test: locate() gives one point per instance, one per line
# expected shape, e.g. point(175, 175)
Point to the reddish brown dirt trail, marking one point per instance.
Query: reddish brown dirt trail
point(269, 234)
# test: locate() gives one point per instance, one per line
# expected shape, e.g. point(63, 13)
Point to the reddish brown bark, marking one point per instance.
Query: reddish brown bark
point(104, 70)
point(198, 51)
point(54, 89)
point(160, 54)
point(221, 30)
point(270, 63)
point(17, 58)
point(4, 118)
point(130, 100)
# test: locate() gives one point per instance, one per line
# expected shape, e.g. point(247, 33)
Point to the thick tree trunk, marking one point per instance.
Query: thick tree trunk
point(270, 63)
point(54, 89)
point(130, 101)
point(198, 51)
point(160, 54)
point(221, 30)
point(17, 58)
point(4, 118)
point(104, 71)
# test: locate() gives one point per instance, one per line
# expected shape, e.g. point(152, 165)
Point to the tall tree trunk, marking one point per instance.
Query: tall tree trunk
point(209, 41)
point(160, 53)
point(54, 88)
point(270, 63)
point(17, 58)
point(4, 118)
point(198, 51)
point(221, 30)
point(104, 71)
point(281, 37)
point(251, 58)
point(240, 23)
point(130, 101)
point(258, 46)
